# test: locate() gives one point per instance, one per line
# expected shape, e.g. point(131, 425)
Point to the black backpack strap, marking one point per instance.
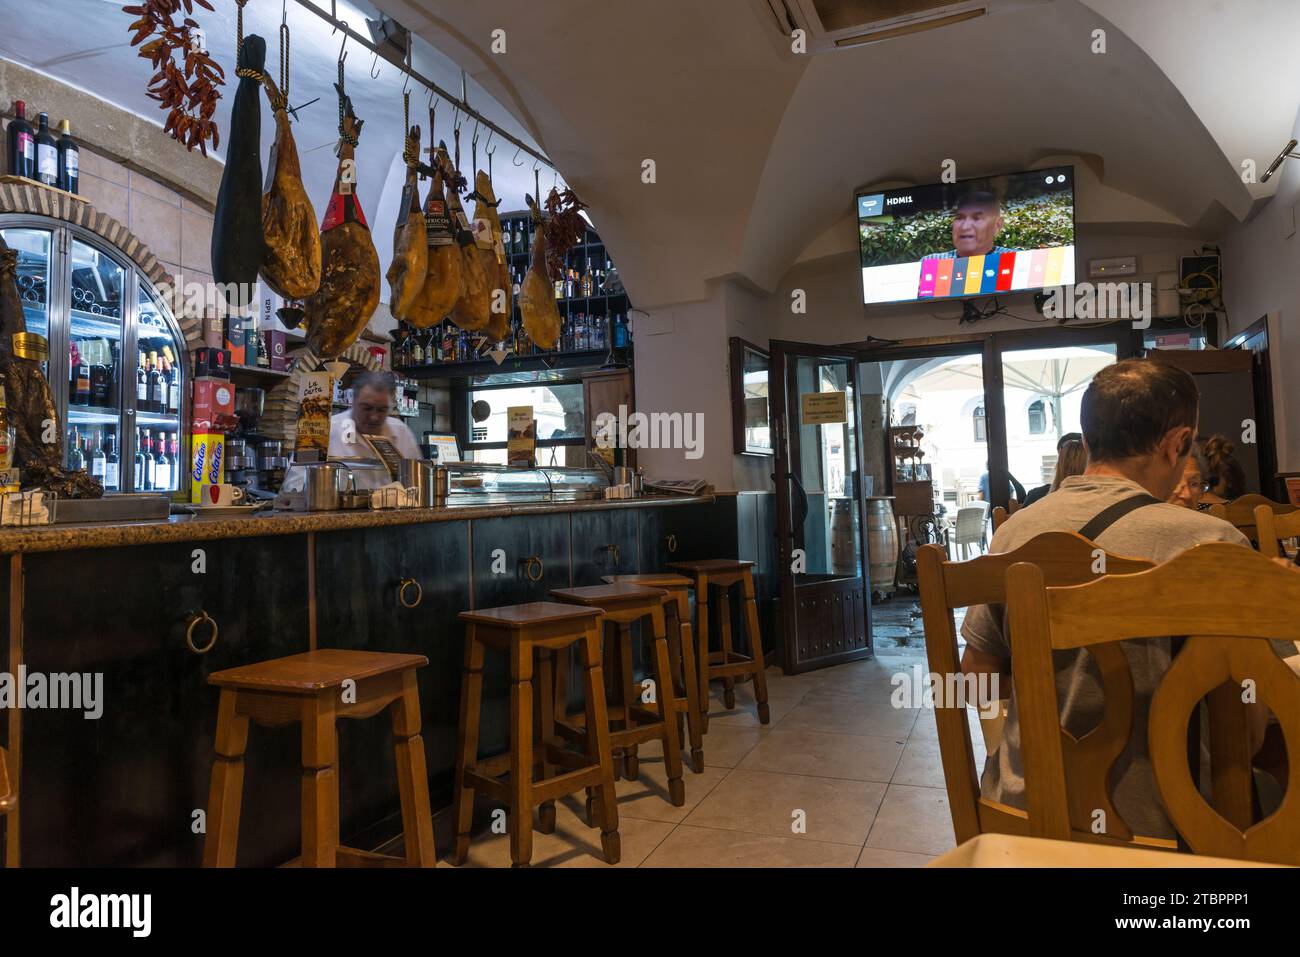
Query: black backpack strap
point(1114, 513)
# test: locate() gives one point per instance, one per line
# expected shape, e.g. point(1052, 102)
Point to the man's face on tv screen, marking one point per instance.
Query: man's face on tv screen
point(974, 228)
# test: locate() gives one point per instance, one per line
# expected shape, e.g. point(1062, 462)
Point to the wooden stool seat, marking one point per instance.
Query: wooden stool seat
point(681, 652)
point(724, 573)
point(315, 689)
point(314, 671)
point(632, 720)
point(531, 634)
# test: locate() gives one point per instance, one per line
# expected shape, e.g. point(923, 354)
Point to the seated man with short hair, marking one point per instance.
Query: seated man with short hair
point(1139, 424)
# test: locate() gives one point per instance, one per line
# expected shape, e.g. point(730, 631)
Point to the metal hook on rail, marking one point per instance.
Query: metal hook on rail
point(517, 157)
point(374, 67)
point(343, 47)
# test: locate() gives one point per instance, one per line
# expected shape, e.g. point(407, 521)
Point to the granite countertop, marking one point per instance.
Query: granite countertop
point(185, 528)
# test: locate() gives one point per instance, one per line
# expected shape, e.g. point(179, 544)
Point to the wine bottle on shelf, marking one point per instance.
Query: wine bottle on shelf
point(22, 144)
point(112, 468)
point(47, 153)
point(141, 473)
point(81, 394)
point(154, 401)
point(588, 283)
point(173, 387)
point(162, 469)
point(98, 460)
point(142, 384)
point(150, 464)
point(99, 375)
point(69, 159)
point(76, 461)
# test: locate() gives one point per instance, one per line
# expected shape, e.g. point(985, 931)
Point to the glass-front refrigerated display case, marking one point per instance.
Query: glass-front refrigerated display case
point(121, 389)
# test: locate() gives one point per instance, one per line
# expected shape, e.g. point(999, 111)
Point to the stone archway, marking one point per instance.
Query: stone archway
point(33, 200)
point(280, 413)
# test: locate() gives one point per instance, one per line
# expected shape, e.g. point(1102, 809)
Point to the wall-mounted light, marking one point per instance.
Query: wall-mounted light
point(1281, 158)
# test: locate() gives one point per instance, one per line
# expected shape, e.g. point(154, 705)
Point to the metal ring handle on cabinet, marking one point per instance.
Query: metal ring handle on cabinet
point(671, 542)
point(534, 560)
point(403, 586)
point(195, 621)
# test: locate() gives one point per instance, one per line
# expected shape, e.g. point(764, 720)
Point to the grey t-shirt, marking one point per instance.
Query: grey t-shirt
point(1156, 532)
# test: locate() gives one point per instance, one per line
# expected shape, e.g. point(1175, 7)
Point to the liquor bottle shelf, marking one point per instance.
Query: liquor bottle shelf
point(88, 324)
point(514, 363)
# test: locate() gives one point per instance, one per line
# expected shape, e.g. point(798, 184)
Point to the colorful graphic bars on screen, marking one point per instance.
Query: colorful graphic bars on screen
point(997, 272)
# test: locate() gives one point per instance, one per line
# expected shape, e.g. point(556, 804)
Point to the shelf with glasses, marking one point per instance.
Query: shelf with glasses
point(95, 415)
point(87, 324)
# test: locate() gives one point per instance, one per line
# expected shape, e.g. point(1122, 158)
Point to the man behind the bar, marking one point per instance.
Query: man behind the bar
point(1139, 424)
point(975, 225)
point(372, 400)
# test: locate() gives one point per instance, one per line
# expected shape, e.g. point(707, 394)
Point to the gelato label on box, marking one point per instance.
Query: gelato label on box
point(207, 452)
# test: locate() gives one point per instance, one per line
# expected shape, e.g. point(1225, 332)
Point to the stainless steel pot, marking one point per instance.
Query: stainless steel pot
point(423, 476)
point(324, 485)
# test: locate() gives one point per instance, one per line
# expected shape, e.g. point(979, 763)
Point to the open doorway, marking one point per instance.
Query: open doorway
point(934, 421)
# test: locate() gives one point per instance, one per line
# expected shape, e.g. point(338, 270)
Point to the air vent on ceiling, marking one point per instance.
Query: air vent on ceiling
point(830, 24)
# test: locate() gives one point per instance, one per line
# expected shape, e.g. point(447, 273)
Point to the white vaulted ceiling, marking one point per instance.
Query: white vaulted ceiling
point(759, 150)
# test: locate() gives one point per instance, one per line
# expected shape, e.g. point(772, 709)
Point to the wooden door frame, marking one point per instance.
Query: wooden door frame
point(780, 349)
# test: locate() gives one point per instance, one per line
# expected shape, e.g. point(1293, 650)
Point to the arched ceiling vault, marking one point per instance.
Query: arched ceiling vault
point(757, 151)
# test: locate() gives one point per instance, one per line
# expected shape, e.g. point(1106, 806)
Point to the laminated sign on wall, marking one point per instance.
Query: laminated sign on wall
point(823, 408)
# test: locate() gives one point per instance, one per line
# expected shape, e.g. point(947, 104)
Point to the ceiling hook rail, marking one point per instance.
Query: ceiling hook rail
point(374, 67)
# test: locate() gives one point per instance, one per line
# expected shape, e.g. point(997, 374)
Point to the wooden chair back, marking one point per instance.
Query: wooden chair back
point(1241, 512)
point(1000, 515)
point(1066, 559)
point(1225, 647)
point(1274, 528)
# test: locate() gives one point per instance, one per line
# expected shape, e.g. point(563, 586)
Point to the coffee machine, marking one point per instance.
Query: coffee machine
point(254, 462)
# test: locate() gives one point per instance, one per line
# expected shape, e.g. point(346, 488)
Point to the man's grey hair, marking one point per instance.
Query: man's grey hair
point(383, 381)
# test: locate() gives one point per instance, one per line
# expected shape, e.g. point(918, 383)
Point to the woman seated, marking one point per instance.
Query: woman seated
point(1190, 490)
point(1225, 479)
point(1071, 459)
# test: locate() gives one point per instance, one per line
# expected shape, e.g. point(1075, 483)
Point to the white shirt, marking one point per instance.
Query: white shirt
point(342, 427)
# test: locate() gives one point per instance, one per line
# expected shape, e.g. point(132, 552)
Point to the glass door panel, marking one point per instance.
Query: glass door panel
point(1042, 392)
point(822, 551)
point(96, 310)
point(159, 387)
point(34, 247)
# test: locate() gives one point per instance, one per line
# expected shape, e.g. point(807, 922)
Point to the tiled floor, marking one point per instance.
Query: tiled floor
point(840, 778)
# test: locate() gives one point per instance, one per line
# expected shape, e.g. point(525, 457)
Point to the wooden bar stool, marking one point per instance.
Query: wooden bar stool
point(539, 629)
point(723, 574)
point(8, 804)
point(681, 653)
point(315, 689)
point(621, 605)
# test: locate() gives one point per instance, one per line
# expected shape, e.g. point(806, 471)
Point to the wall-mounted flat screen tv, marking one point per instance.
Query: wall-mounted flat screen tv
point(973, 237)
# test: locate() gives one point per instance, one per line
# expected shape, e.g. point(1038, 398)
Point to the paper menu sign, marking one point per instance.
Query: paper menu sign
point(315, 404)
point(823, 408)
point(521, 435)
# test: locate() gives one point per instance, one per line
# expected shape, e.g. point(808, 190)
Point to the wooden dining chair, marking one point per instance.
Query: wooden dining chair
point(1000, 515)
point(1241, 512)
point(1226, 646)
point(1274, 528)
point(1066, 559)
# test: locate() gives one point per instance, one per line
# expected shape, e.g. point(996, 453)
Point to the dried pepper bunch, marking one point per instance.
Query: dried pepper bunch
point(564, 227)
point(189, 94)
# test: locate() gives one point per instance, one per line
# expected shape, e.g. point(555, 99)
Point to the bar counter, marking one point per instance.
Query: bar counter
point(186, 528)
point(154, 608)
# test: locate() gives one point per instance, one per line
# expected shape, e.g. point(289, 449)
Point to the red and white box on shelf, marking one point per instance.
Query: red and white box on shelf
point(213, 409)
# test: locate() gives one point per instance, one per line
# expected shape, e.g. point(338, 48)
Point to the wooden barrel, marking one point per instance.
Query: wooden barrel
point(844, 538)
point(882, 543)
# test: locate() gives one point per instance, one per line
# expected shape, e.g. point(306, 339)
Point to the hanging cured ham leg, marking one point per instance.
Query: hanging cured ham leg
point(442, 281)
point(491, 253)
point(349, 289)
point(238, 246)
point(410, 247)
point(292, 266)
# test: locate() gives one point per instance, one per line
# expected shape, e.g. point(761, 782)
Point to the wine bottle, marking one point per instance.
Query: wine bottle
point(112, 469)
point(587, 281)
point(154, 400)
point(98, 461)
point(69, 159)
point(22, 144)
point(47, 154)
point(76, 461)
point(162, 465)
point(150, 467)
point(142, 384)
point(81, 395)
point(141, 473)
